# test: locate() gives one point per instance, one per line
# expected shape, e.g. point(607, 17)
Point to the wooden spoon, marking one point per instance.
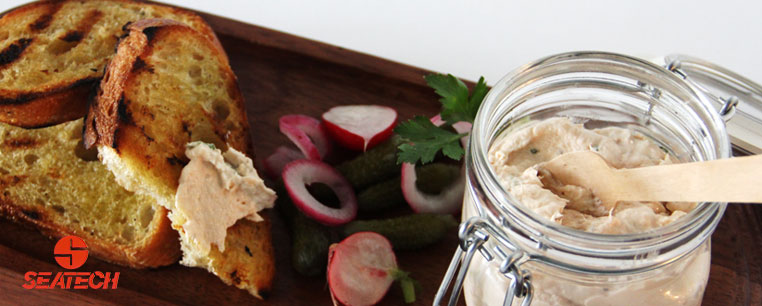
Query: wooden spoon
point(736, 179)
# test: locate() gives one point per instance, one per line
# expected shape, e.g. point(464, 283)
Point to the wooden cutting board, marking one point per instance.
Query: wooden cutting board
point(281, 74)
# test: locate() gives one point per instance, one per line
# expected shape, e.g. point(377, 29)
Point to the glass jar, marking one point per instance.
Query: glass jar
point(524, 257)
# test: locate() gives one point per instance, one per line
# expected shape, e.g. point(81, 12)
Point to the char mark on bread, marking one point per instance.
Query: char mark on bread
point(41, 109)
point(150, 32)
point(13, 51)
point(26, 97)
point(20, 143)
point(174, 160)
point(31, 214)
point(123, 113)
point(83, 28)
point(43, 21)
point(140, 65)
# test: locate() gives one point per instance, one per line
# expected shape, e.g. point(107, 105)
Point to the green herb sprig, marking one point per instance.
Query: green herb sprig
point(423, 139)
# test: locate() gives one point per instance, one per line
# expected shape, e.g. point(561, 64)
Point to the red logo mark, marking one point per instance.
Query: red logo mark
point(71, 252)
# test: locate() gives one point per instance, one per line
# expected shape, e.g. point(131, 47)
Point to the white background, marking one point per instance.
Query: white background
point(490, 38)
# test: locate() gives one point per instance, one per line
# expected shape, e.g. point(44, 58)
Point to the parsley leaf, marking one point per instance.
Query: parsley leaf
point(453, 92)
point(427, 139)
point(424, 139)
point(457, 104)
point(476, 97)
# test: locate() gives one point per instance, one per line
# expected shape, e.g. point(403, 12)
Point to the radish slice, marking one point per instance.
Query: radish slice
point(449, 201)
point(360, 269)
point(307, 134)
point(360, 127)
point(275, 162)
point(298, 174)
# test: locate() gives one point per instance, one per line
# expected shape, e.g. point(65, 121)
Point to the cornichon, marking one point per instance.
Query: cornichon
point(408, 232)
point(309, 240)
point(309, 245)
point(381, 196)
point(374, 166)
point(432, 178)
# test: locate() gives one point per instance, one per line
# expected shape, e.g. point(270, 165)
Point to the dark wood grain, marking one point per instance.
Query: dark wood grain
point(280, 74)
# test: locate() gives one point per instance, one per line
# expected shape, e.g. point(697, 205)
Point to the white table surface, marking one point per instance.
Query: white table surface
point(491, 37)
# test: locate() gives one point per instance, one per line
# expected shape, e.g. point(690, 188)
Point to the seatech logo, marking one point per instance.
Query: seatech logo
point(71, 253)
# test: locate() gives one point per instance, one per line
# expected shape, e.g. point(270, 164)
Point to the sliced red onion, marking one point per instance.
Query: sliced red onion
point(275, 162)
point(300, 173)
point(307, 134)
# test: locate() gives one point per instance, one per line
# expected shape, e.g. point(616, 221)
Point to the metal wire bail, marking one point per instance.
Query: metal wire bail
point(728, 107)
point(729, 103)
point(473, 234)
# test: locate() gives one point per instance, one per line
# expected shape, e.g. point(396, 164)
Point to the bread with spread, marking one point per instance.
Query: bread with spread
point(53, 53)
point(168, 85)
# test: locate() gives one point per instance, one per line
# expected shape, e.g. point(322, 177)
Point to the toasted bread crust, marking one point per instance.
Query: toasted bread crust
point(161, 250)
point(56, 102)
point(111, 123)
point(101, 120)
point(50, 108)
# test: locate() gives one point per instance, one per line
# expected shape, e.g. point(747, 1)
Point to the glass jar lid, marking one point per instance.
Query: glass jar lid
point(738, 99)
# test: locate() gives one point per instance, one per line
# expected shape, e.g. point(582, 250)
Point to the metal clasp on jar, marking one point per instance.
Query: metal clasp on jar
point(474, 234)
point(729, 103)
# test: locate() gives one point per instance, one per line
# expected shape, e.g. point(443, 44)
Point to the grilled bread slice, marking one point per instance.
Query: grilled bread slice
point(53, 54)
point(168, 85)
point(48, 180)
